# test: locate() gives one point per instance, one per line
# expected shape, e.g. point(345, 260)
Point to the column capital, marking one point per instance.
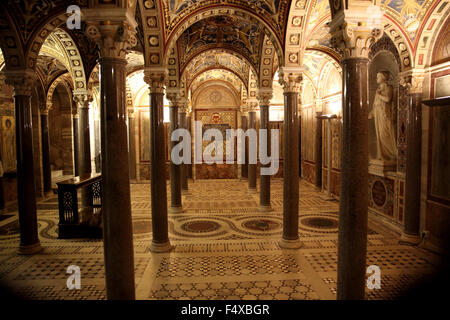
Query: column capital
point(291, 79)
point(45, 107)
point(22, 80)
point(113, 29)
point(412, 80)
point(252, 104)
point(130, 112)
point(354, 30)
point(82, 98)
point(175, 100)
point(156, 78)
point(264, 96)
point(319, 105)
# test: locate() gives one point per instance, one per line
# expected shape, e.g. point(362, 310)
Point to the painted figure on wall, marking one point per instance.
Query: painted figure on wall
point(383, 113)
point(9, 145)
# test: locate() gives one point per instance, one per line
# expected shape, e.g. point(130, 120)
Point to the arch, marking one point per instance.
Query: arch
point(64, 80)
point(266, 64)
point(224, 50)
point(221, 10)
point(10, 40)
point(207, 84)
point(198, 74)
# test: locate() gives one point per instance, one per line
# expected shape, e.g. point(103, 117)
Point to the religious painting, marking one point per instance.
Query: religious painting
point(8, 132)
point(440, 153)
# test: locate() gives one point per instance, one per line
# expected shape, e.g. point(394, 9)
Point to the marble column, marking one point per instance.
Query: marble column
point(156, 81)
point(189, 174)
point(244, 166)
point(83, 142)
point(354, 39)
point(264, 180)
point(175, 170)
point(113, 39)
point(75, 140)
point(318, 151)
point(291, 80)
point(411, 229)
point(46, 169)
point(132, 144)
point(185, 166)
point(23, 81)
point(252, 167)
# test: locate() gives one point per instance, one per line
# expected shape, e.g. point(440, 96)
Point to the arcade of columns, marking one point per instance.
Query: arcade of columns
point(350, 35)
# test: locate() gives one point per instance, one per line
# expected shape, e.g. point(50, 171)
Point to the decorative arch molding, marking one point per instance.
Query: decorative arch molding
point(222, 10)
point(437, 56)
point(435, 23)
point(10, 40)
point(386, 44)
point(216, 83)
point(296, 26)
point(266, 64)
point(242, 58)
point(63, 80)
point(202, 71)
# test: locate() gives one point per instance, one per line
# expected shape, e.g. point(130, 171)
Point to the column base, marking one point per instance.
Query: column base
point(290, 244)
point(409, 239)
point(265, 208)
point(252, 191)
point(161, 247)
point(175, 209)
point(30, 249)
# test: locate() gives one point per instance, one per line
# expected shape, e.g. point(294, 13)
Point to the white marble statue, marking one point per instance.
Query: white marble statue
point(383, 112)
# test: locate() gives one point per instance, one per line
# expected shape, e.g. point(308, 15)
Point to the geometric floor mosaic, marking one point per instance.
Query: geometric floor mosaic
point(224, 249)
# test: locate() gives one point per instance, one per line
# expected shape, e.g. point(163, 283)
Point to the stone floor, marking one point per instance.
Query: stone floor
point(224, 249)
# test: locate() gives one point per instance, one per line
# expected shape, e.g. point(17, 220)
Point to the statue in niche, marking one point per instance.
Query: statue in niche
point(383, 113)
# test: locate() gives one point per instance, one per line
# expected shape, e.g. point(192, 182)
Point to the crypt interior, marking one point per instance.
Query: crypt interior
point(358, 91)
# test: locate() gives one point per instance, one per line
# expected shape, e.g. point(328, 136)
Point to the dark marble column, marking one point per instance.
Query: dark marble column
point(175, 170)
point(182, 121)
point(292, 88)
point(47, 172)
point(23, 82)
point(318, 151)
point(264, 180)
point(83, 143)
point(244, 166)
point(188, 127)
point(160, 241)
point(354, 180)
point(132, 144)
point(75, 140)
point(252, 167)
point(116, 209)
point(411, 231)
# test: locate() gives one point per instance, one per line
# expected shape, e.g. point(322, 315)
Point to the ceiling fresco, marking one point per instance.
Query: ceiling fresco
point(212, 75)
point(221, 32)
point(217, 59)
point(272, 11)
point(409, 13)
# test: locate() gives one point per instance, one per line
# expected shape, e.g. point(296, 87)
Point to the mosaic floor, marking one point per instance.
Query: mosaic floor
point(224, 249)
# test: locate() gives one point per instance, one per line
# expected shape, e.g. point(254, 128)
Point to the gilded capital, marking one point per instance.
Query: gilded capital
point(353, 31)
point(291, 79)
point(112, 29)
point(130, 112)
point(252, 105)
point(412, 80)
point(22, 80)
point(82, 98)
point(156, 79)
point(264, 96)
